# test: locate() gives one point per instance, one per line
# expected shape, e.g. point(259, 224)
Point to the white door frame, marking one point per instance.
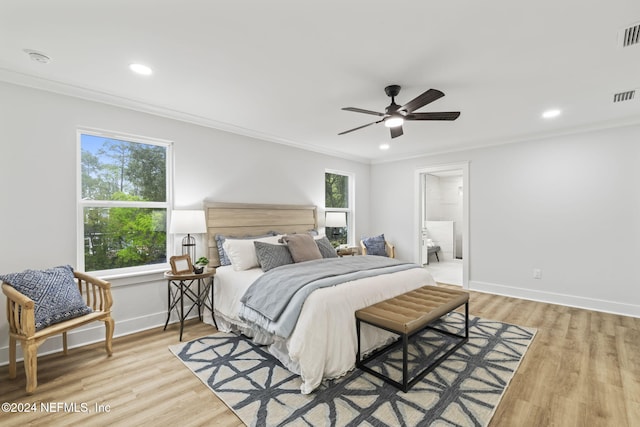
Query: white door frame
point(464, 166)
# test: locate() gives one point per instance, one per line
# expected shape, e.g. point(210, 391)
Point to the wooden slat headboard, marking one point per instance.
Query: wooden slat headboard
point(248, 219)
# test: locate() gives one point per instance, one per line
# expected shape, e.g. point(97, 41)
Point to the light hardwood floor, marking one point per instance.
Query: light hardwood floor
point(582, 369)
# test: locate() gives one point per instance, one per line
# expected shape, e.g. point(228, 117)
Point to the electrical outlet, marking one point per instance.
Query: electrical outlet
point(537, 273)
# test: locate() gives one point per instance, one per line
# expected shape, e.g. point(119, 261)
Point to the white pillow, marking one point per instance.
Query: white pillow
point(242, 252)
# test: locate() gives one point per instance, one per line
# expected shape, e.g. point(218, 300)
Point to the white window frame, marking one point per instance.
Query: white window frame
point(350, 211)
point(81, 204)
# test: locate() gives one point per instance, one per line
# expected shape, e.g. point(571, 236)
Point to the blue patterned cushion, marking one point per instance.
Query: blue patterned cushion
point(54, 292)
point(375, 245)
point(272, 256)
point(326, 248)
point(222, 255)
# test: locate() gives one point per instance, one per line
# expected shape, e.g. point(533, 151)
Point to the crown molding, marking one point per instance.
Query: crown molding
point(40, 83)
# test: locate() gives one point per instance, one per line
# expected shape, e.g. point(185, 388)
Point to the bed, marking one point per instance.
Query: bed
point(323, 343)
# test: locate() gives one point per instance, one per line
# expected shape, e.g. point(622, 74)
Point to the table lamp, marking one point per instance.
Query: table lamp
point(188, 222)
point(335, 220)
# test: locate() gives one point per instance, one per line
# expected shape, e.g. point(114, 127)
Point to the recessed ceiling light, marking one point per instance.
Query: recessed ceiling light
point(384, 146)
point(140, 69)
point(549, 114)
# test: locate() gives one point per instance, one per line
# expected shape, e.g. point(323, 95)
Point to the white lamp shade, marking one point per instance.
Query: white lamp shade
point(187, 222)
point(335, 219)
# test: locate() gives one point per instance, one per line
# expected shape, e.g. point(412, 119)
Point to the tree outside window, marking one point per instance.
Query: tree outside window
point(123, 202)
point(337, 199)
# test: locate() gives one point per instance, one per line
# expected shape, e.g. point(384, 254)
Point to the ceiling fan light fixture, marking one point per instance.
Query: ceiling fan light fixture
point(394, 115)
point(393, 122)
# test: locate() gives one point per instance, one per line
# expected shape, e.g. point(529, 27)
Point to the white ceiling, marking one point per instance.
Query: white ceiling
point(282, 70)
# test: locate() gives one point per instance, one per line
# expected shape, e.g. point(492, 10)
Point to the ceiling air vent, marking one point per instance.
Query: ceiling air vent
point(629, 36)
point(624, 96)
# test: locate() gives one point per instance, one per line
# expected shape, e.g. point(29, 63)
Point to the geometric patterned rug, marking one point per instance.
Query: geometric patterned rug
point(464, 390)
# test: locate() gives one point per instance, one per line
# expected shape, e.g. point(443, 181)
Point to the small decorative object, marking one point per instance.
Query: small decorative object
point(201, 264)
point(181, 264)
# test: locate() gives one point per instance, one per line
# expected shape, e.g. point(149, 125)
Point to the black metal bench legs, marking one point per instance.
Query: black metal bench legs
point(404, 341)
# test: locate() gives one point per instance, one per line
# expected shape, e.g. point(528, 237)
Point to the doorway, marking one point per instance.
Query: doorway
point(442, 222)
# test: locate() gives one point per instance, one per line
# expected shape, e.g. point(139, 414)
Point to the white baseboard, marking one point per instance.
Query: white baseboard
point(93, 333)
point(555, 298)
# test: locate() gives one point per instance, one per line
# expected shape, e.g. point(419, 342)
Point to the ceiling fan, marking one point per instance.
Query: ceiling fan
point(395, 115)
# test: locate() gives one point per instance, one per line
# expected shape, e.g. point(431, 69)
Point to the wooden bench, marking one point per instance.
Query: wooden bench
point(406, 315)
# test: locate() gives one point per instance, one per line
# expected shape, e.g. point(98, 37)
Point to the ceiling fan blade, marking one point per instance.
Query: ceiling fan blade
point(422, 100)
point(449, 115)
point(396, 131)
point(360, 110)
point(359, 127)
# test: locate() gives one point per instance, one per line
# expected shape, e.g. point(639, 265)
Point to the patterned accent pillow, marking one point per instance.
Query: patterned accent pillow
point(54, 292)
point(326, 248)
point(375, 245)
point(222, 255)
point(242, 252)
point(272, 256)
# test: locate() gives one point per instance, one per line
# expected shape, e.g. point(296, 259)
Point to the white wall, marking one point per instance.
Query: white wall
point(452, 207)
point(433, 199)
point(442, 233)
point(38, 188)
point(444, 203)
point(568, 205)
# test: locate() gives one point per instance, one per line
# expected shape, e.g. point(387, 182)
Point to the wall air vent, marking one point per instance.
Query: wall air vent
point(624, 96)
point(629, 36)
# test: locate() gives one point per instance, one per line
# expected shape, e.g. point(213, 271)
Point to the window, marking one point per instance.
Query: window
point(338, 202)
point(123, 202)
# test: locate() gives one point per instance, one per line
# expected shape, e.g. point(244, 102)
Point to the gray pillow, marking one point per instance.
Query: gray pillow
point(54, 292)
point(272, 256)
point(326, 249)
point(375, 245)
point(302, 247)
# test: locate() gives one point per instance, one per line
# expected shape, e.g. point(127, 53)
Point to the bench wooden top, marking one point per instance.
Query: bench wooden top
point(413, 310)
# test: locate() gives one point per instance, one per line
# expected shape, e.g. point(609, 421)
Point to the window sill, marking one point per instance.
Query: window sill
point(135, 278)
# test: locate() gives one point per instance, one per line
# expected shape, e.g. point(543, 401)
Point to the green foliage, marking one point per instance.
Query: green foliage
point(336, 195)
point(124, 236)
point(125, 167)
point(147, 172)
point(336, 191)
point(337, 236)
point(202, 260)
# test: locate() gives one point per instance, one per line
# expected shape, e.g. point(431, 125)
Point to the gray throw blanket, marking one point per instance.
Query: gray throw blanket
point(273, 292)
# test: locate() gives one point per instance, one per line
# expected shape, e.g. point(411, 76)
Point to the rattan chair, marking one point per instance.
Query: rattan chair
point(21, 316)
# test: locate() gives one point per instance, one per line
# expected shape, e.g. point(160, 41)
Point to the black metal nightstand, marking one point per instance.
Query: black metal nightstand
point(196, 288)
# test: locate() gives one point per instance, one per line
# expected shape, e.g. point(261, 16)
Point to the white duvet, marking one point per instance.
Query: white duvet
point(324, 342)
